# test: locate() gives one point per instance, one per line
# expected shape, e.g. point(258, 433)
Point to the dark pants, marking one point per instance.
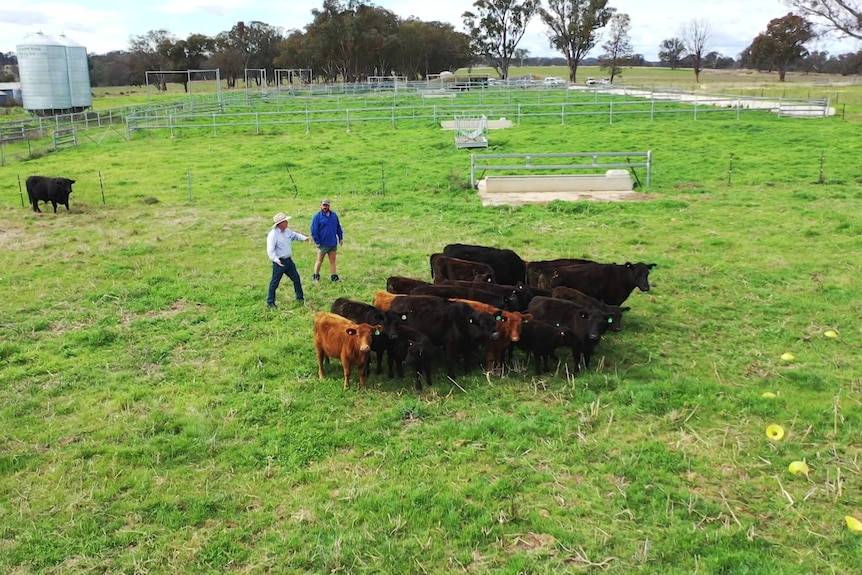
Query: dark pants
point(289, 270)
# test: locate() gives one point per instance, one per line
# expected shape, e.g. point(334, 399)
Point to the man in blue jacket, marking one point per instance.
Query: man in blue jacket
point(327, 235)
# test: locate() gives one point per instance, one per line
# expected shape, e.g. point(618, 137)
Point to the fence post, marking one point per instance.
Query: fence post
point(611, 112)
point(348, 119)
point(189, 179)
point(102, 186)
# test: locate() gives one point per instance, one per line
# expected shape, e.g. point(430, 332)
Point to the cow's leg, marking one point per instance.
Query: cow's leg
point(36, 206)
point(363, 379)
point(53, 203)
point(320, 357)
point(346, 365)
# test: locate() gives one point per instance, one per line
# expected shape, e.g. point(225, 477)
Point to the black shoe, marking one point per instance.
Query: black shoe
point(316, 277)
point(335, 278)
point(271, 305)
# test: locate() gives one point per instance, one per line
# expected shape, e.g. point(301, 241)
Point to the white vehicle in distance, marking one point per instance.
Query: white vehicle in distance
point(591, 81)
point(553, 81)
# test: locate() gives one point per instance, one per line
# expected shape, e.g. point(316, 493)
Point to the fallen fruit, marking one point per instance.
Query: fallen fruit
point(799, 468)
point(831, 333)
point(769, 395)
point(853, 523)
point(775, 432)
point(787, 356)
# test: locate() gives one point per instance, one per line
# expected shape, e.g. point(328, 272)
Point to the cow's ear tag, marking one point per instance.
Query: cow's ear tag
point(403, 316)
point(556, 324)
point(499, 317)
point(610, 320)
point(376, 332)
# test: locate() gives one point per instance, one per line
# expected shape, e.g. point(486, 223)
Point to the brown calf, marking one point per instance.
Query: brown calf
point(335, 336)
point(383, 300)
point(508, 324)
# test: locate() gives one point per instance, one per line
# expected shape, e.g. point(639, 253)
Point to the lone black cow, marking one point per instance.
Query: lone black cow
point(44, 189)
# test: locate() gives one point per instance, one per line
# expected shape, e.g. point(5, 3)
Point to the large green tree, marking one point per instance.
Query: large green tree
point(496, 27)
point(573, 28)
point(151, 52)
point(783, 43)
point(671, 52)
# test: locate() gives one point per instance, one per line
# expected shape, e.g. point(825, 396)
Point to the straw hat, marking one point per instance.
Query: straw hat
point(279, 217)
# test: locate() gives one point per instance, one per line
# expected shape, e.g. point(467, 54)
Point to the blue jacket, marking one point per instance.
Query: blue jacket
point(326, 230)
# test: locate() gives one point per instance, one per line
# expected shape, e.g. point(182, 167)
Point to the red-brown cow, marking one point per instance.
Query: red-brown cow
point(338, 337)
point(508, 325)
point(383, 300)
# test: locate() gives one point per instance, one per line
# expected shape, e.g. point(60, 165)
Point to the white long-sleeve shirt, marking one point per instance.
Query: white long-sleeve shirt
point(278, 243)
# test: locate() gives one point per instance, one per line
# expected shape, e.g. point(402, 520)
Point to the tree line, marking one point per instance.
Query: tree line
point(350, 41)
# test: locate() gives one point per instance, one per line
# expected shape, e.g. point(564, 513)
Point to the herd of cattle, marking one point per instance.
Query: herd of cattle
point(480, 299)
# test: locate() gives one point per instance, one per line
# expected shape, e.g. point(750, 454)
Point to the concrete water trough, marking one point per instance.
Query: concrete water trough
point(613, 185)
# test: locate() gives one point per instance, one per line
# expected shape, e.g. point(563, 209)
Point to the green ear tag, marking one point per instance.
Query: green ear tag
point(610, 320)
point(376, 332)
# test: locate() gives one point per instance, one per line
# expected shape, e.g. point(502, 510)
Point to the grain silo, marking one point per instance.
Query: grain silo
point(55, 76)
point(79, 74)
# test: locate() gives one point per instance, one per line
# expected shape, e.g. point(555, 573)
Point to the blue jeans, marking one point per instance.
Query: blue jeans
point(289, 270)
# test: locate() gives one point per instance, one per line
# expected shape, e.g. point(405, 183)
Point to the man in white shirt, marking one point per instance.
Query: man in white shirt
point(279, 248)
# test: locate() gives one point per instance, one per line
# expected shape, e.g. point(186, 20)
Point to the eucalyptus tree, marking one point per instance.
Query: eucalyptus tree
point(430, 48)
point(783, 43)
point(151, 52)
point(296, 52)
point(573, 27)
point(495, 28)
point(228, 58)
point(671, 52)
point(377, 41)
point(618, 49)
point(353, 40)
point(841, 16)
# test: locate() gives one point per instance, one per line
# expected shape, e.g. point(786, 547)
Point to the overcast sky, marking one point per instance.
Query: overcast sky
point(106, 25)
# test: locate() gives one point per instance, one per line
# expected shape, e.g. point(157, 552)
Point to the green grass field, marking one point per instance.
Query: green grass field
point(156, 417)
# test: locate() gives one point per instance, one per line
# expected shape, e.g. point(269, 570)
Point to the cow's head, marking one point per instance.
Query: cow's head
point(640, 274)
point(64, 187)
point(595, 321)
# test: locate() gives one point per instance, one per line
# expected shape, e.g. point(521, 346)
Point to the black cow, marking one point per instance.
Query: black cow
point(413, 349)
point(611, 283)
point(448, 268)
point(540, 338)
point(361, 312)
point(508, 266)
point(615, 312)
point(45, 189)
point(455, 326)
point(520, 292)
point(475, 293)
point(536, 267)
point(587, 323)
point(403, 285)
